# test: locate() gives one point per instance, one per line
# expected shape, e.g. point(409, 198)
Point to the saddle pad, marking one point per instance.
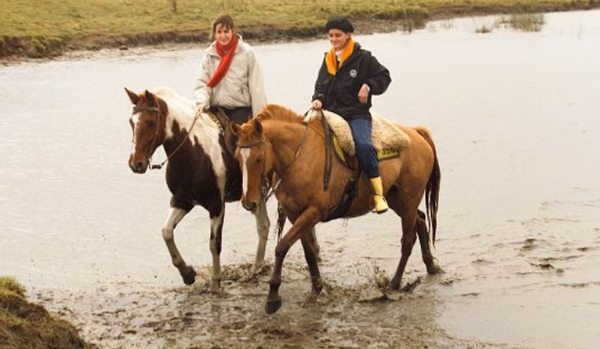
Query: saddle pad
point(381, 155)
point(386, 135)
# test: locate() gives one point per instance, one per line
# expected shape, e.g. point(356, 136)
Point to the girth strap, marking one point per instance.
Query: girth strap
point(349, 194)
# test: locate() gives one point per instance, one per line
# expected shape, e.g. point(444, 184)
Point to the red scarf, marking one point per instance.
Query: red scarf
point(226, 53)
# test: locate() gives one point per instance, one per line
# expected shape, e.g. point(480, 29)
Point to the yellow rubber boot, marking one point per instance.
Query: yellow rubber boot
point(380, 204)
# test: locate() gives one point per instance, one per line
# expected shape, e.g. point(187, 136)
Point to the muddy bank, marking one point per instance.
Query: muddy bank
point(14, 49)
point(25, 325)
point(359, 316)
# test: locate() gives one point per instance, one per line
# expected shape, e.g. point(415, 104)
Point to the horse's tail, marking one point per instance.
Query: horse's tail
point(432, 191)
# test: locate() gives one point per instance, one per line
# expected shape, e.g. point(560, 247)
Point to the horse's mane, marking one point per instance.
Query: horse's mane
point(283, 114)
point(278, 112)
point(183, 109)
point(179, 106)
point(164, 92)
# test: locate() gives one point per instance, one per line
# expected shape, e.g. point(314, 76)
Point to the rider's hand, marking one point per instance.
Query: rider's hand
point(363, 94)
point(200, 109)
point(316, 104)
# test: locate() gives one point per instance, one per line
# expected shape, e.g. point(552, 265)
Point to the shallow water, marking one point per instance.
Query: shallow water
point(514, 116)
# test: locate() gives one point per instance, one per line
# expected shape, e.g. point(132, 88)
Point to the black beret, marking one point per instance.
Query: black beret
point(340, 23)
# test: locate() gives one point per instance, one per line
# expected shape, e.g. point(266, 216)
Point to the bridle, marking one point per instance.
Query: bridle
point(266, 191)
point(156, 110)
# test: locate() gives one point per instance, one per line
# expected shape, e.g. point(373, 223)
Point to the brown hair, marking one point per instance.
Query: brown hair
point(224, 20)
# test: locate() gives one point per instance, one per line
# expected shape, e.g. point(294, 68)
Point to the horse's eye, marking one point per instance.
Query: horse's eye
point(152, 123)
point(258, 161)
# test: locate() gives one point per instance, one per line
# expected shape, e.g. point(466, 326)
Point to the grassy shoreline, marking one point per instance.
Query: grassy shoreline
point(53, 27)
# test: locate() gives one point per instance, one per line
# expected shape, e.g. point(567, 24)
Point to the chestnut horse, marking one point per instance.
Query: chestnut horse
point(279, 140)
point(201, 169)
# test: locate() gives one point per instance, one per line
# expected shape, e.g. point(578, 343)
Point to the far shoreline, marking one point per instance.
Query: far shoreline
point(90, 46)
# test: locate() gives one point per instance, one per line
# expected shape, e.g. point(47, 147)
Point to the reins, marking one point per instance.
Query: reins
point(157, 110)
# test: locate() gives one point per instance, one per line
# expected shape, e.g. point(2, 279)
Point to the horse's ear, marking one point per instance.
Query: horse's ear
point(234, 128)
point(258, 127)
point(149, 97)
point(133, 97)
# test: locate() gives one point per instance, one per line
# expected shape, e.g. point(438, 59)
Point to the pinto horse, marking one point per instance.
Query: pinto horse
point(201, 169)
point(279, 140)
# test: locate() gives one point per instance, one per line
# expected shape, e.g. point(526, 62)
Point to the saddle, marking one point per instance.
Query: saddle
point(388, 140)
point(220, 118)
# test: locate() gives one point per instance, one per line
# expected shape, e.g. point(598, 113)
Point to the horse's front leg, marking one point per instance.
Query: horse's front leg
point(432, 263)
point(301, 227)
point(409, 238)
point(216, 230)
point(262, 229)
point(175, 216)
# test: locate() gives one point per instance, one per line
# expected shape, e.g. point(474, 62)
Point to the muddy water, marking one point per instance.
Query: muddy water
point(515, 119)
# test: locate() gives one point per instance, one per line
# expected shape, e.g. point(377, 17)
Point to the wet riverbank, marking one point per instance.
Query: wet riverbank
point(15, 49)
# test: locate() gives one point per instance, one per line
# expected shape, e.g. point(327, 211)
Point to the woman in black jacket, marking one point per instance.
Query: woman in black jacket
point(348, 77)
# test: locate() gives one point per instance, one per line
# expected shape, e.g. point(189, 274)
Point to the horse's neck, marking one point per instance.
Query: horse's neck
point(285, 141)
point(190, 139)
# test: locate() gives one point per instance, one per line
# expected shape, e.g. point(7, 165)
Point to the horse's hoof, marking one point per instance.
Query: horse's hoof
point(317, 288)
point(273, 305)
point(393, 287)
point(433, 267)
point(312, 298)
point(189, 277)
point(435, 270)
point(261, 269)
point(215, 287)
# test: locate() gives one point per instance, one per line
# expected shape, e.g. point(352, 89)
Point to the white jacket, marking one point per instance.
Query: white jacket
point(242, 86)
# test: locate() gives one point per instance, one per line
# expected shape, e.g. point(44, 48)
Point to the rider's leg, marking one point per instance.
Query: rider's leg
point(367, 157)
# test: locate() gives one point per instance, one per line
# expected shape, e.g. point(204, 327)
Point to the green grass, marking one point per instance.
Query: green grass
point(45, 26)
point(528, 22)
point(65, 18)
point(10, 284)
point(26, 325)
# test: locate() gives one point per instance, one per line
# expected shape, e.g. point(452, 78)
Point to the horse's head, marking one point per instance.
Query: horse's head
point(148, 126)
point(254, 156)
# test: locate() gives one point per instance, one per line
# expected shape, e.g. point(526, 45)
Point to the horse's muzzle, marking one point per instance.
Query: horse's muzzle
point(138, 166)
point(250, 206)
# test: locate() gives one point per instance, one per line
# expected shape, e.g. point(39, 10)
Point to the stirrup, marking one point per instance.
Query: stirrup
point(381, 210)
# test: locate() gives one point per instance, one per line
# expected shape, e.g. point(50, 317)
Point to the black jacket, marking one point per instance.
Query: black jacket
point(339, 93)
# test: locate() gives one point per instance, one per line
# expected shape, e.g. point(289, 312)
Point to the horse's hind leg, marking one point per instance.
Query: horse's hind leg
point(432, 264)
point(408, 241)
point(186, 271)
point(216, 230)
point(262, 229)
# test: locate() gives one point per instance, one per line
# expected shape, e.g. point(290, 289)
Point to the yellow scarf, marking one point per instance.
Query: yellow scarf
point(331, 59)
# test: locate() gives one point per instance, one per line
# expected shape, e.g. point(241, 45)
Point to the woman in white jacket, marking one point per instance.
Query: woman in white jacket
point(231, 76)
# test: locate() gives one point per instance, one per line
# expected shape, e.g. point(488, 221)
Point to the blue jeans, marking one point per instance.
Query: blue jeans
point(365, 151)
